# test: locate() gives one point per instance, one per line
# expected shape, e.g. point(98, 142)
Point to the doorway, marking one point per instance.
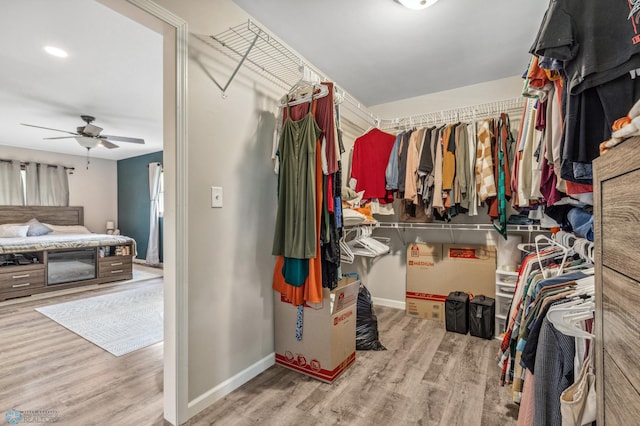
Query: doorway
point(175, 38)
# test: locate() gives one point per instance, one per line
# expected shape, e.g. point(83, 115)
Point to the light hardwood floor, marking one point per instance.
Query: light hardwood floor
point(425, 377)
point(45, 367)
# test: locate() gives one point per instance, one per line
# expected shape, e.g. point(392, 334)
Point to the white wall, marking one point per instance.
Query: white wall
point(491, 91)
point(230, 299)
point(96, 188)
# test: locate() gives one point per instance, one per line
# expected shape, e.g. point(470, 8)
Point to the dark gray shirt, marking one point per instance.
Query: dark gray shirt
point(597, 40)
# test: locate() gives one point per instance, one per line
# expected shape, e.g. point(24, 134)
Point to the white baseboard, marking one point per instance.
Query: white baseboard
point(229, 385)
point(389, 303)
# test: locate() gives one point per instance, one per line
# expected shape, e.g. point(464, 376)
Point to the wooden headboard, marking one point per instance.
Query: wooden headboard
point(46, 214)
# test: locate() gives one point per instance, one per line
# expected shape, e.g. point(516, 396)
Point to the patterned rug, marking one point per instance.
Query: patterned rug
point(119, 322)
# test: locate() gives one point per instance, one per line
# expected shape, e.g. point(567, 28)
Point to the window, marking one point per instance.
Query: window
point(161, 196)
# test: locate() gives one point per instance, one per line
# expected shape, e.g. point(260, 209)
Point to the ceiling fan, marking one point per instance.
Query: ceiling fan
point(89, 135)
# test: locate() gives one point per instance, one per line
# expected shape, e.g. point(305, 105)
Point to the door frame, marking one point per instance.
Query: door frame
point(176, 248)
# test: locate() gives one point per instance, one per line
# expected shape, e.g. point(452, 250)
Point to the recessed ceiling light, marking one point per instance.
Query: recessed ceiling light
point(56, 51)
point(417, 4)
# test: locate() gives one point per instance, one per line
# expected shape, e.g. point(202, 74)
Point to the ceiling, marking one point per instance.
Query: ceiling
point(380, 51)
point(113, 72)
point(376, 50)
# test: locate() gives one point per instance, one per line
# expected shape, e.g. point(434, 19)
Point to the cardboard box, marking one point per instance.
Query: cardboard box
point(434, 270)
point(328, 345)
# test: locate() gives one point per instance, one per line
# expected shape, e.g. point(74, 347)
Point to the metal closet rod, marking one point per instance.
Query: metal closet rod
point(264, 54)
point(479, 111)
point(453, 226)
point(24, 163)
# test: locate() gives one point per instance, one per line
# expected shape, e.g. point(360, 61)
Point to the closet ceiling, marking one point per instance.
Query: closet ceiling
point(113, 72)
point(380, 51)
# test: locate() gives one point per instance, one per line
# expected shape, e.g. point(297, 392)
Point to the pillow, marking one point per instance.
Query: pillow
point(10, 230)
point(68, 229)
point(36, 228)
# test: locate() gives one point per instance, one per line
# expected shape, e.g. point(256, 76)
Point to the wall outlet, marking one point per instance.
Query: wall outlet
point(216, 196)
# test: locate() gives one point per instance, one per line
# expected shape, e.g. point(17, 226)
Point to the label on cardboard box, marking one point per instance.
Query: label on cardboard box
point(344, 297)
point(462, 253)
point(479, 253)
point(426, 296)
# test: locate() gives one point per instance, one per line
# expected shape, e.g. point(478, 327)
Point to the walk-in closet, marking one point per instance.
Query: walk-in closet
point(398, 212)
point(428, 250)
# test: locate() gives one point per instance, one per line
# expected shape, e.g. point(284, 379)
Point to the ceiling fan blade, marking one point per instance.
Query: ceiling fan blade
point(107, 144)
point(122, 139)
point(91, 130)
point(61, 137)
point(49, 128)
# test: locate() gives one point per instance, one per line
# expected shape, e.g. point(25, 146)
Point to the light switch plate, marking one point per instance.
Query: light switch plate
point(216, 196)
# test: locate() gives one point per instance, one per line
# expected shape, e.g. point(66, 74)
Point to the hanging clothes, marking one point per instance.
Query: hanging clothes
point(369, 162)
point(485, 181)
point(295, 231)
point(411, 172)
point(540, 360)
point(595, 62)
point(498, 205)
point(311, 290)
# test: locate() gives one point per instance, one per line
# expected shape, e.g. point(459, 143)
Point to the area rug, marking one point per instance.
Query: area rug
point(141, 273)
point(119, 322)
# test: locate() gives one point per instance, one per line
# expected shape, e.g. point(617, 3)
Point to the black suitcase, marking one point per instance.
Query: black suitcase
point(482, 311)
point(456, 312)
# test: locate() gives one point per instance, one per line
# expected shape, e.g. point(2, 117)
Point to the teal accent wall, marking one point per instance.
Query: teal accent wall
point(133, 200)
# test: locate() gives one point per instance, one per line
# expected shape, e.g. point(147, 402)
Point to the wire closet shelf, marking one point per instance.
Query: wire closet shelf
point(262, 53)
point(512, 106)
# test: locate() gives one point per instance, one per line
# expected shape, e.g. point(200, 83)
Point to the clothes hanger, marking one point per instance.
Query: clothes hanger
point(304, 91)
point(346, 255)
point(365, 245)
point(565, 318)
point(565, 253)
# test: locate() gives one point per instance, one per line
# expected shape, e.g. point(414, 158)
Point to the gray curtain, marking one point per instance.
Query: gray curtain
point(11, 193)
point(47, 185)
point(153, 246)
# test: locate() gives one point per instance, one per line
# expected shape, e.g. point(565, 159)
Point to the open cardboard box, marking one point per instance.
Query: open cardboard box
point(434, 270)
point(328, 345)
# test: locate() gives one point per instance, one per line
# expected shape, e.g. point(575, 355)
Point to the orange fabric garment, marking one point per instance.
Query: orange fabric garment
point(448, 161)
point(620, 123)
point(536, 75)
point(578, 188)
point(311, 290)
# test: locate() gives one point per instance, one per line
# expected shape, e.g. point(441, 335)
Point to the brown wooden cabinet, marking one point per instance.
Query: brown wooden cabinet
point(44, 273)
point(20, 278)
point(115, 268)
point(617, 238)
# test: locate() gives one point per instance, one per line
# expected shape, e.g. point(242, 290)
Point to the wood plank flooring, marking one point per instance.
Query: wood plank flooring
point(425, 377)
point(47, 367)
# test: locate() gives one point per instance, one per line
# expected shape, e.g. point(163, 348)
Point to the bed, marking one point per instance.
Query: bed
point(66, 255)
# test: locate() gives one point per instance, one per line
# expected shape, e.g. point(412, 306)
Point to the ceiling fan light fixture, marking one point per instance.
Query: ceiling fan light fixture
point(417, 4)
point(56, 51)
point(87, 142)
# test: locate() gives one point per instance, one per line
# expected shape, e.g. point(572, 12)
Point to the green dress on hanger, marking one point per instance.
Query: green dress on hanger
point(295, 235)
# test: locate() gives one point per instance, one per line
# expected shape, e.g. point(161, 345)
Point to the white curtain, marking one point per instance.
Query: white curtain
point(33, 187)
point(153, 246)
point(53, 185)
point(11, 193)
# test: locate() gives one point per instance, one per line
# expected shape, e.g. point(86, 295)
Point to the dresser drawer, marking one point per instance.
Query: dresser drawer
point(114, 265)
point(21, 278)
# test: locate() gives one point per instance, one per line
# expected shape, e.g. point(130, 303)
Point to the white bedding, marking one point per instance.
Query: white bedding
point(62, 240)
